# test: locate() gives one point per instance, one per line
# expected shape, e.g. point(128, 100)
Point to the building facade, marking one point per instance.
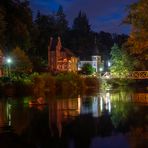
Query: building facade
point(60, 58)
point(95, 60)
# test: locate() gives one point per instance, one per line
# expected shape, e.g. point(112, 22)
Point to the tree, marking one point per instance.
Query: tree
point(18, 23)
point(81, 36)
point(2, 28)
point(21, 62)
point(81, 23)
point(43, 29)
point(61, 22)
point(121, 62)
point(138, 40)
point(87, 69)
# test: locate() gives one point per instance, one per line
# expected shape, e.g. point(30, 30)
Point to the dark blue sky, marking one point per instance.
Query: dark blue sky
point(103, 15)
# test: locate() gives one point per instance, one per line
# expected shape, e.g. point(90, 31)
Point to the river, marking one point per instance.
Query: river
point(109, 119)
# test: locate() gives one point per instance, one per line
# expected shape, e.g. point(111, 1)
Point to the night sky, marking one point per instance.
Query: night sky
point(103, 15)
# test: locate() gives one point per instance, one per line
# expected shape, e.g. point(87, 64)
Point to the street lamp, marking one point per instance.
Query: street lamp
point(9, 61)
point(100, 69)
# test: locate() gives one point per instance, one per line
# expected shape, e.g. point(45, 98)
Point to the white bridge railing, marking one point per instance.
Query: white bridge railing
point(132, 75)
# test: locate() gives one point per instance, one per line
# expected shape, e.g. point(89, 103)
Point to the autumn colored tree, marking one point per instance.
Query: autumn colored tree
point(21, 62)
point(138, 40)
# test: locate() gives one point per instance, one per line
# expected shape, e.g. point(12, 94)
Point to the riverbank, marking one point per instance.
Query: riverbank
point(47, 84)
point(117, 83)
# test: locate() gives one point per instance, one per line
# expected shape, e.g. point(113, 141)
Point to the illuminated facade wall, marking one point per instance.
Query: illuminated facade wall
point(95, 63)
point(59, 58)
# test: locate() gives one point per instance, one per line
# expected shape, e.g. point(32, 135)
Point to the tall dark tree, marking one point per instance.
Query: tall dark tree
point(81, 39)
point(120, 39)
point(43, 29)
point(2, 28)
point(104, 42)
point(81, 23)
point(18, 18)
point(61, 22)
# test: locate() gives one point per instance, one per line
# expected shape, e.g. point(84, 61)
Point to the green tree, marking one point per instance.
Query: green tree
point(87, 69)
point(138, 40)
point(21, 62)
point(121, 62)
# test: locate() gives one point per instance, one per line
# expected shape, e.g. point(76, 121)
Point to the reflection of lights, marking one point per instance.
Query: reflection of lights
point(9, 114)
point(101, 104)
point(108, 102)
point(109, 106)
point(95, 107)
point(79, 104)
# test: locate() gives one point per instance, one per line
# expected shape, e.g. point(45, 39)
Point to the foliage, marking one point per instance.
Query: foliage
point(2, 28)
point(68, 82)
point(18, 23)
point(21, 62)
point(121, 112)
point(43, 28)
point(61, 22)
point(81, 23)
point(121, 62)
point(138, 41)
point(87, 69)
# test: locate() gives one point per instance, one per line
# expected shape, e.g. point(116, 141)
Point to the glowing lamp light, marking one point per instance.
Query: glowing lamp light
point(9, 60)
point(100, 69)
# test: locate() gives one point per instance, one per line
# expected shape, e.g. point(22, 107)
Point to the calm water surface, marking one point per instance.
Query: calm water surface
point(113, 119)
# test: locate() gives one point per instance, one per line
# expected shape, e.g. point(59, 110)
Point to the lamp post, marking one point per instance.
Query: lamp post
point(9, 61)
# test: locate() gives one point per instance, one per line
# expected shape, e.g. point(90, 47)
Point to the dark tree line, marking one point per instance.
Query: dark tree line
point(18, 28)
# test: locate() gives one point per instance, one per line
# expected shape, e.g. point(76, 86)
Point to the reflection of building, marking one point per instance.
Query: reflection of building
point(5, 114)
point(90, 105)
point(60, 58)
point(61, 111)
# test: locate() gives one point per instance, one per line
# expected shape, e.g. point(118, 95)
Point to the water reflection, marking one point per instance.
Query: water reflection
point(5, 114)
point(83, 121)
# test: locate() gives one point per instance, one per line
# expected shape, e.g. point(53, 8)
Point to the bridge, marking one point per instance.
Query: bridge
point(131, 75)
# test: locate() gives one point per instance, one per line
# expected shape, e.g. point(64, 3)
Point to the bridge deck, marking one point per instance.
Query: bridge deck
point(131, 75)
